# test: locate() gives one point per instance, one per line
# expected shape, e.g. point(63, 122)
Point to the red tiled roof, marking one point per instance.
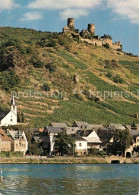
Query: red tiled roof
point(4, 136)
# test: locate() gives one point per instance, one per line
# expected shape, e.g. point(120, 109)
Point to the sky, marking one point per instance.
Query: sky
point(118, 18)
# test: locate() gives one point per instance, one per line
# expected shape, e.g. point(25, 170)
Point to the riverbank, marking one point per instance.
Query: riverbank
point(68, 160)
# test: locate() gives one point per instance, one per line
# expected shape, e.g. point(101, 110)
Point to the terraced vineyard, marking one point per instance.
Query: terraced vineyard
point(56, 78)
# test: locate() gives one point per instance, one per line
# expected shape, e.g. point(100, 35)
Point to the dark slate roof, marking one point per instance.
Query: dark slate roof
point(80, 124)
point(94, 126)
point(134, 133)
point(3, 114)
point(71, 130)
point(105, 135)
point(60, 125)
point(129, 127)
point(33, 130)
point(41, 138)
point(84, 133)
point(78, 138)
point(51, 129)
point(116, 126)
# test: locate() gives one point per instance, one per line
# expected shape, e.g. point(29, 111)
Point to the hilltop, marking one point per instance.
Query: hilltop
point(36, 65)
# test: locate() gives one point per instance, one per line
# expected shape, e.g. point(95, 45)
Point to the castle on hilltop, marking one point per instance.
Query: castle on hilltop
point(89, 36)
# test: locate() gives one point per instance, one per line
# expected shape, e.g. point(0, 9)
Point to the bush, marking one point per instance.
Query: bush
point(51, 43)
point(64, 41)
point(35, 149)
point(15, 43)
point(37, 63)
point(114, 63)
point(8, 80)
point(109, 74)
point(51, 67)
point(45, 87)
point(87, 93)
point(108, 64)
point(11, 154)
point(118, 79)
point(78, 96)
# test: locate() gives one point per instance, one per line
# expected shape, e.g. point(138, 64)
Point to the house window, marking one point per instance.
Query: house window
point(11, 120)
point(80, 144)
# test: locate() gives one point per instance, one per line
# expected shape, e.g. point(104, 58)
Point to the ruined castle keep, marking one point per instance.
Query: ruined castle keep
point(91, 29)
point(89, 36)
point(70, 23)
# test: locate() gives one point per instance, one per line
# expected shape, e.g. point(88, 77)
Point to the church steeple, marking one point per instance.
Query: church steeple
point(13, 105)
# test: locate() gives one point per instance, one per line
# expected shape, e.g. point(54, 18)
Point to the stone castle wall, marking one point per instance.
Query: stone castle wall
point(116, 46)
point(84, 36)
point(107, 41)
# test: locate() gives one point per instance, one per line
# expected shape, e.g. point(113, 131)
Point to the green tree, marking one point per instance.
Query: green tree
point(64, 144)
point(121, 141)
point(34, 149)
point(20, 117)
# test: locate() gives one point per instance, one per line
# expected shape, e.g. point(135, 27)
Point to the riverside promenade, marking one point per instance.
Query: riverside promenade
point(67, 160)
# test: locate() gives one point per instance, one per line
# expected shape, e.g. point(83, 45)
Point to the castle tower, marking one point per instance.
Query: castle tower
point(13, 105)
point(70, 23)
point(91, 28)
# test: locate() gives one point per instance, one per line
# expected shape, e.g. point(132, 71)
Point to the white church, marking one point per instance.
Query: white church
point(9, 118)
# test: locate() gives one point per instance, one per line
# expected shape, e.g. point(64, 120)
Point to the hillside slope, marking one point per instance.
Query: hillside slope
point(57, 78)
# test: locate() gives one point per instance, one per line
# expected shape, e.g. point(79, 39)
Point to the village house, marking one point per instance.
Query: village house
point(42, 138)
point(134, 147)
point(52, 132)
point(80, 124)
point(72, 130)
point(5, 142)
point(106, 136)
point(8, 118)
point(93, 141)
point(115, 126)
point(13, 141)
point(62, 126)
point(136, 141)
point(80, 146)
point(18, 140)
point(94, 127)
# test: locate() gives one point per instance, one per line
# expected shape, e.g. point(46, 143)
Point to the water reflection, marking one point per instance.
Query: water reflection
point(70, 179)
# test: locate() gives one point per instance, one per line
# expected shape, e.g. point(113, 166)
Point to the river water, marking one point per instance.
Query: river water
point(72, 179)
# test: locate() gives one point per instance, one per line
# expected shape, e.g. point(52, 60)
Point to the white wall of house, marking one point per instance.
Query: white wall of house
point(52, 143)
point(23, 134)
point(9, 119)
point(93, 141)
point(137, 141)
point(81, 145)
